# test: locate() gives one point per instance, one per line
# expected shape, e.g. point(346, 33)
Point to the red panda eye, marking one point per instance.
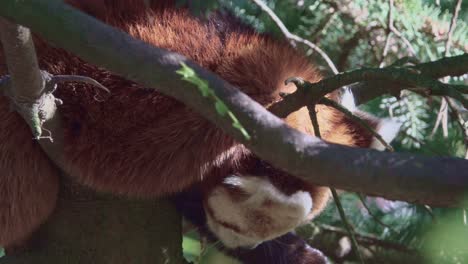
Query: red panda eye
point(236, 193)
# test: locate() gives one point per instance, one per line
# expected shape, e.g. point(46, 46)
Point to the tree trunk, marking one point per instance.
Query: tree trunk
point(95, 228)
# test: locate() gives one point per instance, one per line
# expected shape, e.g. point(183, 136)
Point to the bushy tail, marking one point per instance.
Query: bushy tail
point(28, 180)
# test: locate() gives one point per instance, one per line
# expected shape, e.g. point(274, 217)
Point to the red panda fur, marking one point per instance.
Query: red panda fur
point(138, 142)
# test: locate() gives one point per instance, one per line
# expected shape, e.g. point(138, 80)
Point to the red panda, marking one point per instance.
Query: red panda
point(140, 143)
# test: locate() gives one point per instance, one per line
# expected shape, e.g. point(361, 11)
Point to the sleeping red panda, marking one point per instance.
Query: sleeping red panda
point(159, 147)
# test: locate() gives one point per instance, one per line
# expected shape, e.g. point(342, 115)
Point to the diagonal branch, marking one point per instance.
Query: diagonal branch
point(435, 181)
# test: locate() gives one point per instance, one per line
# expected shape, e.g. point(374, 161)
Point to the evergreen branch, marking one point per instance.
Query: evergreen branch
point(432, 150)
point(400, 77)
point(401, 176)
point(294, 37)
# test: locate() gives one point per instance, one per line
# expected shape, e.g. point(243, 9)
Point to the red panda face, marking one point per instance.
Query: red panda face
point(246, 210)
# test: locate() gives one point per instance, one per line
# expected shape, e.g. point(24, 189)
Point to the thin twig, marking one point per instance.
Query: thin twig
point(347, 225)
point(392, 29)
point(344, 219)
point(369, 211)
point(453, 25)
point(405, 40)
point(80, 79)
point(441, 119)
point(388, 32)
point(323, 25)
point(458, 117)
point(294, 37)
point(313, 118)
point(442, 116)
point(368, 239)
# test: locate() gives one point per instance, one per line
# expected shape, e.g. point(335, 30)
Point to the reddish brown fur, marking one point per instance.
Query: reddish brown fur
point(28, 182)
point(139, 142)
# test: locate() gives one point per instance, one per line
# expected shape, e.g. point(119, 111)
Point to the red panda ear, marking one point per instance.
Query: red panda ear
point(387, 128)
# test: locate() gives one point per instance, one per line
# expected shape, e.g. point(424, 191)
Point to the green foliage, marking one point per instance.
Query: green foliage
point(189, 75)
point(2, 252)
point(447, 242)
point(198, 252)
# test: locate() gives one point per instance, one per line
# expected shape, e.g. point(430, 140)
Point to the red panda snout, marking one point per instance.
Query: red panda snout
point(247, 210)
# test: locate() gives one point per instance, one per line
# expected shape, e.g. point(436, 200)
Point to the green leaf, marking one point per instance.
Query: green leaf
point(185, 71)
point(221, 108)
point(191, 249)
point(189, 75)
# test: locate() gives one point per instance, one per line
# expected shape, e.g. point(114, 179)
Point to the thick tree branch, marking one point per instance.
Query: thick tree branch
point(436, 181)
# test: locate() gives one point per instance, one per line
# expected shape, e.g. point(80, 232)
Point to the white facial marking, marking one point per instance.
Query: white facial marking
point(262, 213)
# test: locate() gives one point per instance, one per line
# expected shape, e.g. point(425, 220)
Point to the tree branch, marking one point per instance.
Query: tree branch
point(436, 181)
point(451, 66)
point(400, 78)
